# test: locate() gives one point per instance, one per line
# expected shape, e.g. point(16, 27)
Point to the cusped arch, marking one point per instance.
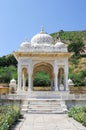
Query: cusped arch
point(43, 66)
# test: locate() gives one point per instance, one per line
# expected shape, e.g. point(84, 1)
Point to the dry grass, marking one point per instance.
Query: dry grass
point(76, 68)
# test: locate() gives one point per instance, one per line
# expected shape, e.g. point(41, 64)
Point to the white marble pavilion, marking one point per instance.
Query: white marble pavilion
point(42, 54)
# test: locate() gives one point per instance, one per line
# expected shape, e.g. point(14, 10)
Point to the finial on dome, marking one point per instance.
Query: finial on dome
point(26, 39)
point(42, 29)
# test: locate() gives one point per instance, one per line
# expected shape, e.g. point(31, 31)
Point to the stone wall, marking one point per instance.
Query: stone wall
point(77, 90)
point(41, 88)
point(71, 103)
point(4, 90)
point(4, 85)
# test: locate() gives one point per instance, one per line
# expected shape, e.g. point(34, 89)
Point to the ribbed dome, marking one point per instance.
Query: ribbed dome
point(42, 38)
point(25, 43)
point(60, 44)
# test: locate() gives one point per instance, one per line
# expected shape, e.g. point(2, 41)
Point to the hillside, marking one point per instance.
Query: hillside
point(77, 65)
point(68, 36)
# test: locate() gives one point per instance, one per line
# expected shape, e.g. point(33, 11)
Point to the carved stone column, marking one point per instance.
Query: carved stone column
point(56, 83)
point(30, 86)
point(66, 81)
point(19, 78)
point(29, 78)
point(66, 78)
point(55, 76)
point(23, 82)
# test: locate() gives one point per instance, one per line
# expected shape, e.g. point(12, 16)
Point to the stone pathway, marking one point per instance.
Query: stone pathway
point(48, 122)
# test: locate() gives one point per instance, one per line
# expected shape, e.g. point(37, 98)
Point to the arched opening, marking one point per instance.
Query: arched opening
point(61, 79)
point(43, 77)
point(25, 79)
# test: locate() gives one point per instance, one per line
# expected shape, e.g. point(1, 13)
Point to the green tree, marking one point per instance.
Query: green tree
point(79, 79)
point(7, 73)
point(41, 79)
point(76, 46)
point(8, 60)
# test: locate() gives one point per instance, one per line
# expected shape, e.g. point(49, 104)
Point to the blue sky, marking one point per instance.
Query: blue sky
point(20, 19)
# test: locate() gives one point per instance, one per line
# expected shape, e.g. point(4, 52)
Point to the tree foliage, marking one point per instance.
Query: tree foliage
point(7, 73)
point(69, 35)
point(41, 79)
point(79, 79)
point(8, 60)
point(76, 46)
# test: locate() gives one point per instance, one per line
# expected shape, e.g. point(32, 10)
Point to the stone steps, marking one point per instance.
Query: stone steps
point(45, 112)
point(44, 106)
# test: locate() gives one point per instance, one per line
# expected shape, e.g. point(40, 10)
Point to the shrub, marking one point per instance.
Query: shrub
point(71, 112)
point(78, 113)
point(84, 119)
point(8, 115)
point(79, 116)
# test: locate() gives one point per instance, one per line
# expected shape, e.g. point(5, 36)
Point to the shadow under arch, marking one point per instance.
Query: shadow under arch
point(24, 78)
point(61, 82)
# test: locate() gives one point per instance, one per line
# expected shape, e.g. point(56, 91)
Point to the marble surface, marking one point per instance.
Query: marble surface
point(48, 122)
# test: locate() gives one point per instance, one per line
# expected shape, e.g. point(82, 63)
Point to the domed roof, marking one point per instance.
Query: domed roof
point(42, 38)
point(60, 44)
point(25, 43)
point(70, 82)
point(13, 81)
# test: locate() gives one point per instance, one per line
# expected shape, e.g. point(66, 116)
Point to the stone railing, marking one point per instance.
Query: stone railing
point(43, 49)
point(44, 95)
point(14, 97)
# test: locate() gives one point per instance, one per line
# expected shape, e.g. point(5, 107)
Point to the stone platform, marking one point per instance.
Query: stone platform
point(44, 101)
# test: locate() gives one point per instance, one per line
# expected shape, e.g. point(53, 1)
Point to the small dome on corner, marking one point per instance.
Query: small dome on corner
point(12, 81)
point(59, 44)
point(25, 43)
point(70, 82)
